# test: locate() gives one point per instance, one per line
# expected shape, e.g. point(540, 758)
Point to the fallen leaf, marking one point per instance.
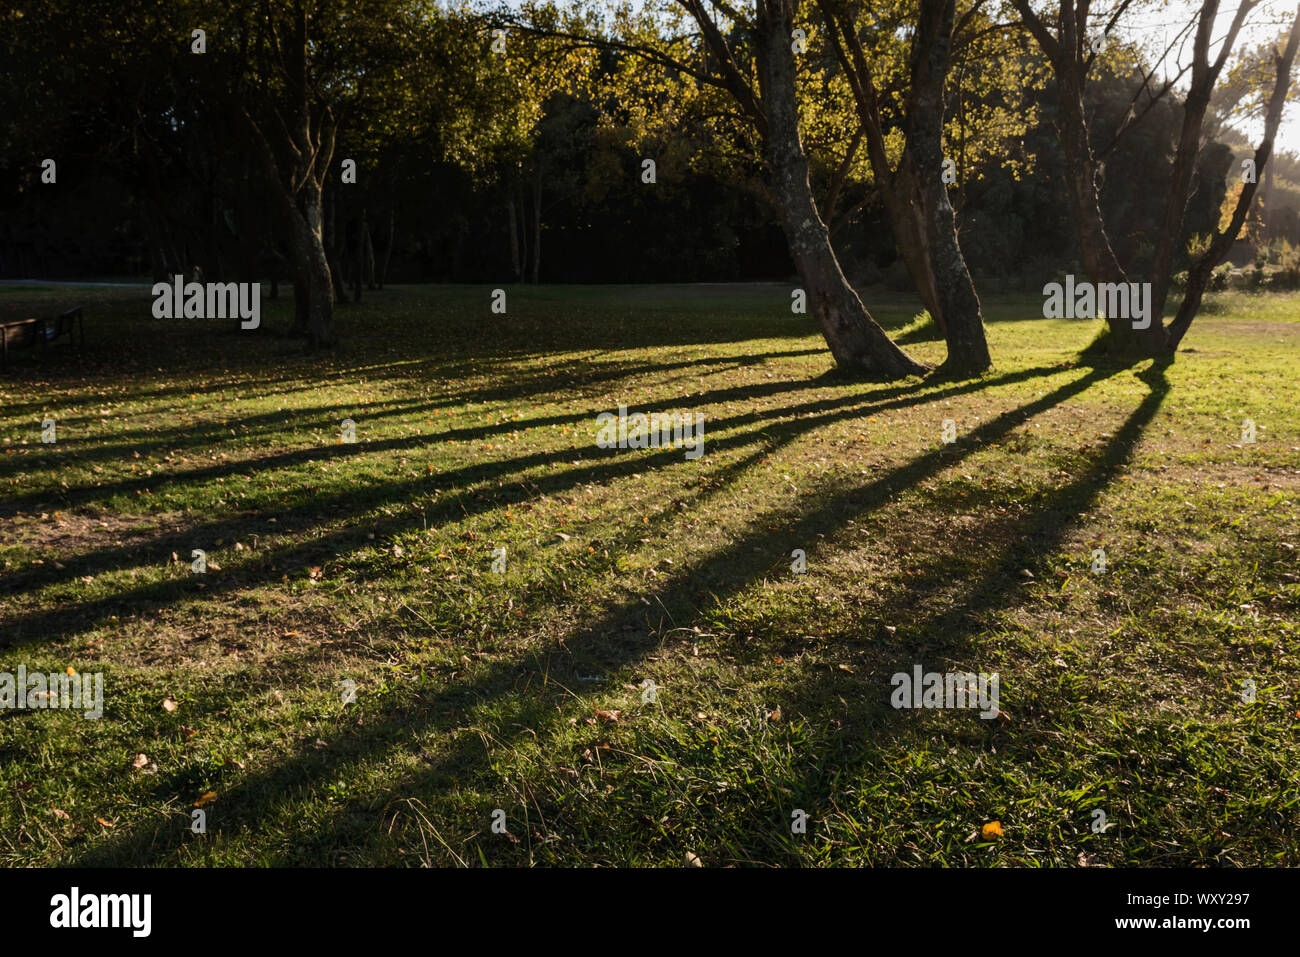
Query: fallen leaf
point(609, 717)
point(206, 798)
point(103, 822)
point(991, 830)
point(140, 761)
point(61, 814)
point(169, 703)
point(692, 860)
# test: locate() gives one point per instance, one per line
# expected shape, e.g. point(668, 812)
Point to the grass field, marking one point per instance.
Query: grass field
point(371, 562)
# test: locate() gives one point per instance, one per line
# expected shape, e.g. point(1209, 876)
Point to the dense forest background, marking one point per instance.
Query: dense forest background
point(490, 157)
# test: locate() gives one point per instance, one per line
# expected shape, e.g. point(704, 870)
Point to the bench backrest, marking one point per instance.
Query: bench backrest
point(21, 332)
point(65, 323)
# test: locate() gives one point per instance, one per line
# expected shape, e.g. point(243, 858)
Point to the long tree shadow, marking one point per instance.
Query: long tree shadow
point(862, 728)
point(601, 645)
point(74, 450)
point(60, 620)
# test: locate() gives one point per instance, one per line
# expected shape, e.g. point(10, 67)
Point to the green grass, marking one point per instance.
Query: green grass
point(371, 562)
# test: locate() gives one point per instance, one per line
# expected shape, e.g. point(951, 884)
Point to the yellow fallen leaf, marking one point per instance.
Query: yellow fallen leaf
point(207, 798)
point(70, 670)
point(991, 830)
point(103, 822)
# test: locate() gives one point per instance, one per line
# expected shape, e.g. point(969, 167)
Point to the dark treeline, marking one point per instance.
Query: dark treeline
point(519, 156)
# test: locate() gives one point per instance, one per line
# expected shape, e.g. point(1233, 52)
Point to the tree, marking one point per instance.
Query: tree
point(913, 190)
point(1198, 276)
point(1071, 49)
point(855, 339)
point(753, 61)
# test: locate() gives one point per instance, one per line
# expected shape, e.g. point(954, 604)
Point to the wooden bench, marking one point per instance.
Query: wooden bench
point(27, 333)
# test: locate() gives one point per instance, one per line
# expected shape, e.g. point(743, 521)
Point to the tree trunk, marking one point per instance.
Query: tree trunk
point(902, 201)
point(334, 253)
point(515, 268)
point(856, 342)
point(1082, 173)
point(313, 284)
point(524, 246)
point(1178, 195)
point(963, 323)
point(537, 225)
point(915, 196)
point(388, 251)
point(1198, 276)
point(353, 251)
point(367, 252)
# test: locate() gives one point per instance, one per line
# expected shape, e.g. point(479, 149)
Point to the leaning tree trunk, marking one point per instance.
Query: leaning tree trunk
point(856, 342)
point(1198, 276)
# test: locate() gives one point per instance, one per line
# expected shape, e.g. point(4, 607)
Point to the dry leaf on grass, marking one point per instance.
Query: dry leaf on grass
point(169, 703)
point(991, 830)
point(206, 798)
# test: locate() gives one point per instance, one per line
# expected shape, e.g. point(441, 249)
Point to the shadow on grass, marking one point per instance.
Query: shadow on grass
point(603, 644)
point(72, 450)
point(464, 501)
